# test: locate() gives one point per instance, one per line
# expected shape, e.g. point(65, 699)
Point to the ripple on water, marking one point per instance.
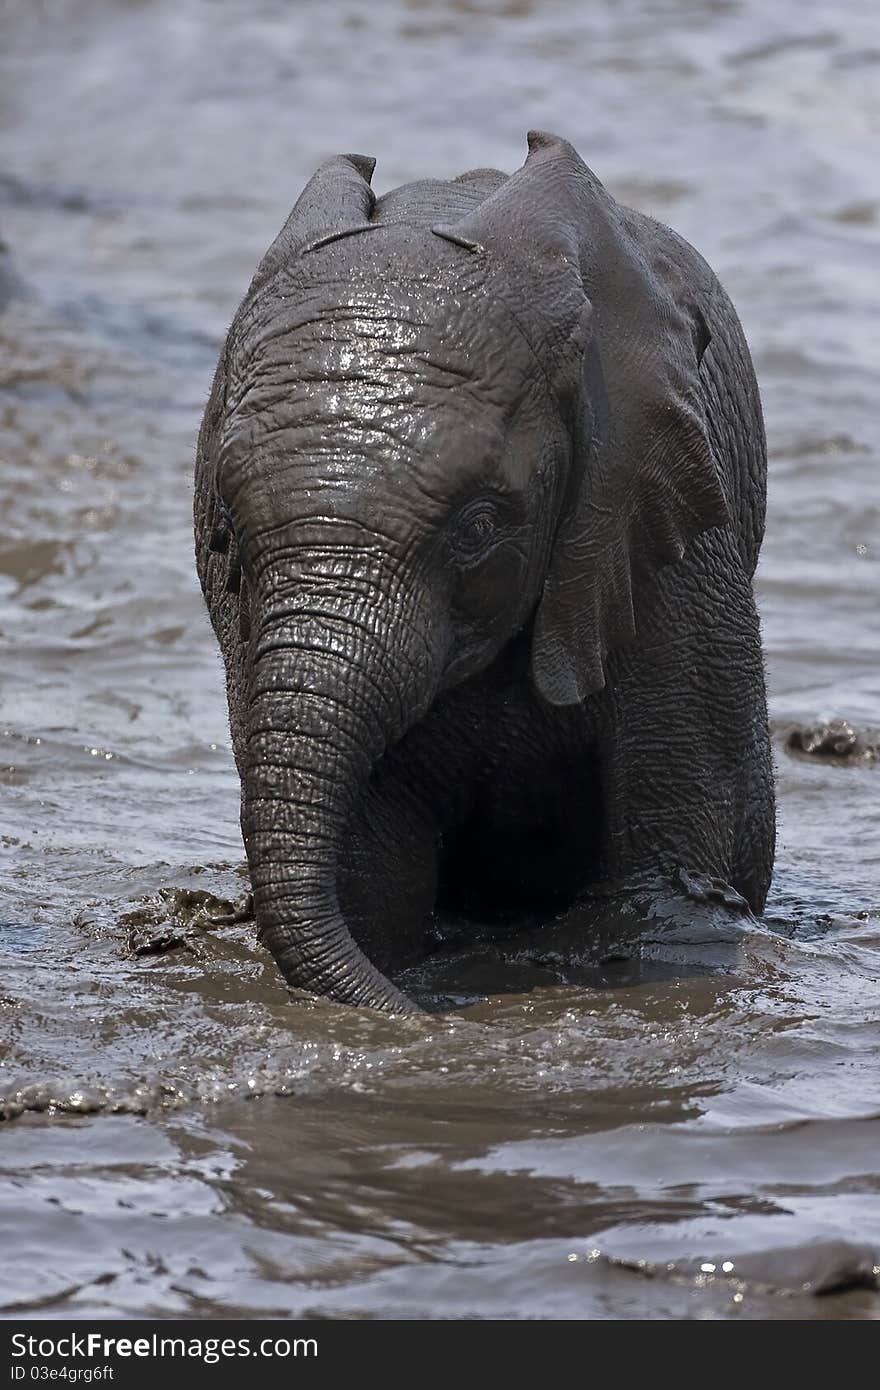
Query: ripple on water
point(598, 1137)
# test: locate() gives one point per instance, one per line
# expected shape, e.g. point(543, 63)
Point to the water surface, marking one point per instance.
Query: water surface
point(692, 1134)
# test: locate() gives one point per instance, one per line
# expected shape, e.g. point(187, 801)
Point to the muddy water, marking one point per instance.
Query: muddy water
point(690, 1132)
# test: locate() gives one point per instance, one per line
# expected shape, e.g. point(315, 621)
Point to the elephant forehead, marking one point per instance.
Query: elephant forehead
point(384, 384)
point(378, 338)
point(357, 437)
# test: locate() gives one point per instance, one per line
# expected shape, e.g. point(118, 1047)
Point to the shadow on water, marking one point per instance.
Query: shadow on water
point(635, 1125)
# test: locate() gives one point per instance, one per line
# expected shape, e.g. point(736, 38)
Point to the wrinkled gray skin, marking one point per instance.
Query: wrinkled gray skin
point(479, 496)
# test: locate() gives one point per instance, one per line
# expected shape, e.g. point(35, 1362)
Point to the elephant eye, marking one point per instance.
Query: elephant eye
point(473, 530)
point(224, 541)
point(224, 530)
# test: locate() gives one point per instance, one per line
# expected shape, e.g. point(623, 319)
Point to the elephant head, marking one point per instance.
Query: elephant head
point(440, 418)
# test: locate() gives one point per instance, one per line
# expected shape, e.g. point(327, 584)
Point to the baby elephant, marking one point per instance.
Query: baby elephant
point(479, 496)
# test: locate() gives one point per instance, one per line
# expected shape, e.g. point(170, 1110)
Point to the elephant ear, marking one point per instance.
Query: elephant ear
point(614, 313)
point(337, 201)
point(644, 485)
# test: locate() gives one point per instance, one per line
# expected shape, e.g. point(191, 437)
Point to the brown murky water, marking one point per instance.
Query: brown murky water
point(694, 1132)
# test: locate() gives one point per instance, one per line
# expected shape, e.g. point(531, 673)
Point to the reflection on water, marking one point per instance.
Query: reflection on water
point(680, 1134)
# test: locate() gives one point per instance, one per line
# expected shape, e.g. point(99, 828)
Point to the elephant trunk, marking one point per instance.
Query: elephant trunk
point(328, 693)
